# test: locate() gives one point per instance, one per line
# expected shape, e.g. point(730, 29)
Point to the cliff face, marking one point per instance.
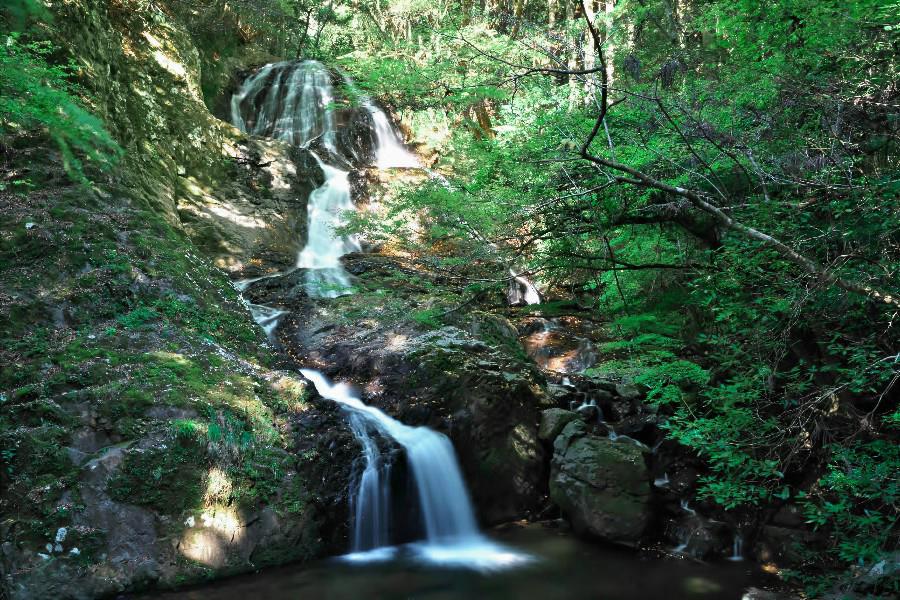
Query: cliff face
point(240, 200)
point(148, 435)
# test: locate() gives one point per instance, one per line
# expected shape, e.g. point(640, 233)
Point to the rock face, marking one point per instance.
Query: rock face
point(241, 200)
point(166, 510)
point(601, 485)
point(155, 442)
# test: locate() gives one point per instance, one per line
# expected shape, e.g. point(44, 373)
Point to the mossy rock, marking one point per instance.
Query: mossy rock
point(603, 486)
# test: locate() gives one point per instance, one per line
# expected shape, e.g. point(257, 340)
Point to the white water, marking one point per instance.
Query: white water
point(737, 550)
point(451, 533)
point(292, 101)
point(326, 277)
point(662, 482)
point(390, 152)
point(521, 291)
point(288, 101)
point(266, 316)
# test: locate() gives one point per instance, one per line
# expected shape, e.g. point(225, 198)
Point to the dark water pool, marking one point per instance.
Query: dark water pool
point(563, 568)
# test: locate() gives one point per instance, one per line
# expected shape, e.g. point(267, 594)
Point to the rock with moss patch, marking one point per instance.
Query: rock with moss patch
point(601, 485)
point(553, 421)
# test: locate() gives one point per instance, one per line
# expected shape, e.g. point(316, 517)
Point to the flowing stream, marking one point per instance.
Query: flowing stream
point(325, 277)
point(292, 101)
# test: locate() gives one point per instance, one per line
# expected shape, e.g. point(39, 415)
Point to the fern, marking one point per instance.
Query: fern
point(36, 96)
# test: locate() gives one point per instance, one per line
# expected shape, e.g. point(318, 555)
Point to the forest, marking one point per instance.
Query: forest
point(622, 272)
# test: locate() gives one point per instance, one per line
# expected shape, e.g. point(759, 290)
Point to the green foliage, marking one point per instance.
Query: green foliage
point(168, 480)
point(430, 318)
point(139, 317)
point(17, 12)
point(761, 368)
point(782, 114)
point(36, 95)
point(854, 503)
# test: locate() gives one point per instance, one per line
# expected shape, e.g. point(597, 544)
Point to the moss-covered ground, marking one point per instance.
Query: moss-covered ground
point(111, 324)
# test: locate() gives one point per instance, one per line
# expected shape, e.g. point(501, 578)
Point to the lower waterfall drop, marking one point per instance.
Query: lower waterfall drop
point(451, 533)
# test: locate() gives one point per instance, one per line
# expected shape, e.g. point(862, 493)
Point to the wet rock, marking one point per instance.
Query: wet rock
point(629, 392)
point(553, 421)
point(88, 440)
point(487, 326)
point(561, 395)
point(601, 485)
point(700, 537)
point(279, 289)
point(783, 545)
point(601, 383)
point(131, 530)
point(590, 413)
point(882, 572)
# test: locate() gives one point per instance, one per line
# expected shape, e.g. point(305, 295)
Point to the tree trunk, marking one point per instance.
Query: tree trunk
point(590, 80)
point(518, 9)
point(573, 57)
point(466, 12)
point(610, 47)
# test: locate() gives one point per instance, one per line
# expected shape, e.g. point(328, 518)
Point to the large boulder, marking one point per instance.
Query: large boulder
point(601, 485)
point(553, 421)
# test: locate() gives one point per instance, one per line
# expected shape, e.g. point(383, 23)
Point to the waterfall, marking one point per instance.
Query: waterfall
point(289, 101)
point(737, 550)
point(371, 505)
point(266, 316)
point(662, 482)
point(326, 277)
point(451, 533)
point(521, 291)
point(390, 152)
point(292, 101)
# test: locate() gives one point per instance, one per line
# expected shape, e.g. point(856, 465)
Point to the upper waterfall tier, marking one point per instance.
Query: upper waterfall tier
point(297, 102)
point(290, 101)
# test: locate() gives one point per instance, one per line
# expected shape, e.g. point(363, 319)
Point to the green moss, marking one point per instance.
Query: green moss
point(38, 452)
point(138, 318)
point(169, 480)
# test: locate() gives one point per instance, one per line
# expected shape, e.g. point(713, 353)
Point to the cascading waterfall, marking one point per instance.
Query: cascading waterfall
point(451, 533)
point(521, 291)
point(287, 101)
point(737, 550)
point(291, 101)
point(372, 504)
point(390, 152)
